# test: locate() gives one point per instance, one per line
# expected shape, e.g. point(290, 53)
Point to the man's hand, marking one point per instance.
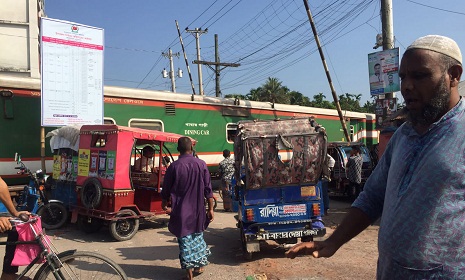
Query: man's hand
point(5, 224)
point(210, 212)
point(22, 212)
point(211, 215)
point(319, 249)
point(164, 206)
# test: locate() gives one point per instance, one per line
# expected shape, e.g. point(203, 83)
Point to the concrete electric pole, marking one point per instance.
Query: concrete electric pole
point(197, 32)
point(217, 65)
point(170, 55)
point(388, 30)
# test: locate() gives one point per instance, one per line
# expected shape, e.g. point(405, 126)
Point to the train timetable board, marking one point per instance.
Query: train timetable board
point(71, 73)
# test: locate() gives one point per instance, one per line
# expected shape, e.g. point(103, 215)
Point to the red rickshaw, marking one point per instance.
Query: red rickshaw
point(112, 189)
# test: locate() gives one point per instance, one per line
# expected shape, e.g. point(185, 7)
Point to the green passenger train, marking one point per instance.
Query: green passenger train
point(209, 120)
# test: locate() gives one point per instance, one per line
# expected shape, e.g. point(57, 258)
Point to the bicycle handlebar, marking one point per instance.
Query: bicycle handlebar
point(24, 218)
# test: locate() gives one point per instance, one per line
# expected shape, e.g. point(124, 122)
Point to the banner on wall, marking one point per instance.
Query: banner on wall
point(383, 69)
point(385, 108)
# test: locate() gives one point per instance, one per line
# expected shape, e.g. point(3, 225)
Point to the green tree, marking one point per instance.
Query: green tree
point(370, 106)
point(253, 95)
point(350, 102)
point(297, 98)
point(271, 91)
point(319, 101)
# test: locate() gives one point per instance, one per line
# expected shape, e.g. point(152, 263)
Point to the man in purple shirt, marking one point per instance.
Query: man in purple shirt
point(186, 185)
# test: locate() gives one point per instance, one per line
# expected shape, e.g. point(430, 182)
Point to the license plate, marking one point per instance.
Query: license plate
point(288, 234)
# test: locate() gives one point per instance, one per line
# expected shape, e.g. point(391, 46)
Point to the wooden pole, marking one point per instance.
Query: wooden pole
point(328, 76)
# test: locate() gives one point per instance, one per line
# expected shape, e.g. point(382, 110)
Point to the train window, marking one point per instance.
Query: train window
point(231, 129)
point(146, 124)
point(107, 120)
point(8, 112)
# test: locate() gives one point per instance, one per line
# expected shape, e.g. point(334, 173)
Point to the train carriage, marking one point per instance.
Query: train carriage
point(210, 120)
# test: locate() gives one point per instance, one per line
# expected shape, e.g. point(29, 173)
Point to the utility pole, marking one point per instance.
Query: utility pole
point(217, 65)
point(328, 76)
point(185, 58)
point(170, 55)
point(388, 29)
point(197, 32)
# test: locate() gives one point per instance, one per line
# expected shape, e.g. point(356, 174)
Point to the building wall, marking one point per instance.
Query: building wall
point(19, 37)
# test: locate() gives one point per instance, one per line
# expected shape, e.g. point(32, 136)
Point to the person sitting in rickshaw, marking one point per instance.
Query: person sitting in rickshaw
point(166, 161)
point(145, 162)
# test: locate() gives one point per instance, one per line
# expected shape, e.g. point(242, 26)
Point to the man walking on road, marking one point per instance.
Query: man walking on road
point(418, 185)
point(226, 170)
point(186, 185)
point(354, 171)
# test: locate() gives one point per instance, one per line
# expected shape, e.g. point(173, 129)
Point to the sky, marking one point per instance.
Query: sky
point(267, 38)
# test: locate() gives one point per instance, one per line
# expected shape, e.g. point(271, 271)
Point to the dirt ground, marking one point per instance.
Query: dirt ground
point(153, 252)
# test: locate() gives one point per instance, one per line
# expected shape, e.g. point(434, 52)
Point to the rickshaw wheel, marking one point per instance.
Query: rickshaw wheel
point(124, 229)
point(91, 193)
point(91, 226)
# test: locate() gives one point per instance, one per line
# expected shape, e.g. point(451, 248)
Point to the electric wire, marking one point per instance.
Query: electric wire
point(436, 8)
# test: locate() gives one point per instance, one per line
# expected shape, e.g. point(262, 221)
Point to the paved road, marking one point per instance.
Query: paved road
point(153, 252)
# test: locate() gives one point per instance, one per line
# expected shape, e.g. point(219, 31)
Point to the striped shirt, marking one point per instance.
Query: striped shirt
point(419, 188)
point(354, 169)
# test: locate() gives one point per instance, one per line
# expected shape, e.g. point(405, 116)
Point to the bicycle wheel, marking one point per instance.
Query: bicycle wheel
point(83, 265)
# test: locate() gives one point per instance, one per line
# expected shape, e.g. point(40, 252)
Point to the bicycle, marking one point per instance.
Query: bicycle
point(71, 264)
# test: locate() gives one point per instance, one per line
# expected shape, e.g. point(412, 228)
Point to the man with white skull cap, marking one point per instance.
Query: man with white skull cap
point(418, 186)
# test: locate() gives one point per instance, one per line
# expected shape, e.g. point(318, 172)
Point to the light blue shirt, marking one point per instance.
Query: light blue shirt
point(419, 188)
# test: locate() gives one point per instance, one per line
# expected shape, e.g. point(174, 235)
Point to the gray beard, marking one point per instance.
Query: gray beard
point(435, 109)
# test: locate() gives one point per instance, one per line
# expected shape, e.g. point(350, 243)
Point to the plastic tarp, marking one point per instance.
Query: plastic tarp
point(65, 137)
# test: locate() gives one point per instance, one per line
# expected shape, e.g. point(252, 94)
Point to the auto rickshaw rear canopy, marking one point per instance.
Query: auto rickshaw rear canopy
point(279, 152)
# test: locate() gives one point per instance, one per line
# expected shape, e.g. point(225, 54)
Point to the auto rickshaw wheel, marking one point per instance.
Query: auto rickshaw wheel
point(89, 225)
point(124, 229)
point(91, 193)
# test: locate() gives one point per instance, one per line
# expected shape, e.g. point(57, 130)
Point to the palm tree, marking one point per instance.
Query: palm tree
point(273, 91)
point(320, 102)
point(253, 95)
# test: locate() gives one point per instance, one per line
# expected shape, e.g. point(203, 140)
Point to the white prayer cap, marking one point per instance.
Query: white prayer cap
point(438, 43)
